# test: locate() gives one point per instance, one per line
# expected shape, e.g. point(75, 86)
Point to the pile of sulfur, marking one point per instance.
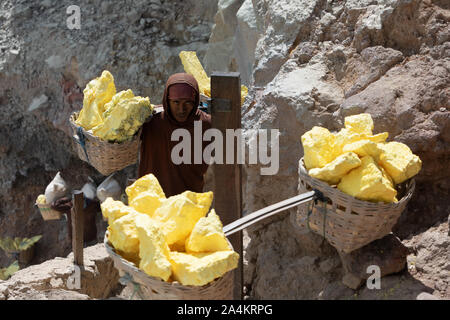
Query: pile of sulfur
point(358, 162)
point(173, 238)
point(112, 116)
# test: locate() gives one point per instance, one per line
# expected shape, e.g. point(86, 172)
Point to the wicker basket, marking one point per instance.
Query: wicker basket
point(346, 222)
point(156, 289)
point(106, 157)
point(47, 212)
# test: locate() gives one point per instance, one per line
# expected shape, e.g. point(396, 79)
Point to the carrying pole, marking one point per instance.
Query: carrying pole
point(226, 114)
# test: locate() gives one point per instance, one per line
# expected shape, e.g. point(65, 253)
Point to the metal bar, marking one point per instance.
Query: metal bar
point(266, 212)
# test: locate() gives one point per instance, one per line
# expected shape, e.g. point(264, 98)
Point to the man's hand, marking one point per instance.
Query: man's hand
point(62, 205)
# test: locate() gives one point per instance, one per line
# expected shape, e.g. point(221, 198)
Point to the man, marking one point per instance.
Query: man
point(180, 109)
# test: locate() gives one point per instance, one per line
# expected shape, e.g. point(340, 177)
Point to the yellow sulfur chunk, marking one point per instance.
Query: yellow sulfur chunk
point(119, 96)
point(123, 236)
point(193, 66)
point(244, 93)
point(378, 138)
point(113, 210)
point(147, 202)
point(336, 169)
point(153, 249)
point(318, 144)
point(357, 127)
point(387, 177)
point(207, 235)
point(145, 194)
point(346, 136)
point(363, 148)
point(361, 123)
point(123, 117)
point(399, 161)
point(198, 269)
point(41, 199)
point(179, 214)
point(147, 183)
point(367, 182)
point(97, 93)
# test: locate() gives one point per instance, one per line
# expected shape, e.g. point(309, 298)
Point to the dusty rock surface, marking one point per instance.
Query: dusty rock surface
point(53, 279)
point(429, 260)
point(388, 254)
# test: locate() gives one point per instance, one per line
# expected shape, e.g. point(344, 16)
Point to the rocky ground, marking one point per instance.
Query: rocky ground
point(419, 279)
point(306, 63)
point(53, 279)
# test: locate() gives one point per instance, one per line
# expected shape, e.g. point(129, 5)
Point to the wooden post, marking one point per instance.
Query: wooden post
point(226, 114)
point(77, 227)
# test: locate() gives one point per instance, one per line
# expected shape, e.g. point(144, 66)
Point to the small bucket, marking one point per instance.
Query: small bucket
point(47, 212)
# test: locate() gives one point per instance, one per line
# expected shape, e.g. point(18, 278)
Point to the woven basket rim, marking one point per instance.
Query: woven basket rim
point(410, 186)
point(90, 136)
point(128, 266)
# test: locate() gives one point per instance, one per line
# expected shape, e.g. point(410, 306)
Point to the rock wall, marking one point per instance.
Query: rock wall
point(313, 63)
point(44, 67)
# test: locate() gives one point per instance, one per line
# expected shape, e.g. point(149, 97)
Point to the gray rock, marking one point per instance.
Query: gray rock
point(378, 60)
point(336, 291)
point(305, 51)
point(430, 255)
point(245, 41)
point(133, 16)
point(352, 281)
point(426, 296)
point(50, 280)
point(388, 254)
point(218, 57)
point(328, 265)
point(285, 22)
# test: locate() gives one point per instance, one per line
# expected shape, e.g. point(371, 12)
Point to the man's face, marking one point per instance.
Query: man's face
point(181, 108)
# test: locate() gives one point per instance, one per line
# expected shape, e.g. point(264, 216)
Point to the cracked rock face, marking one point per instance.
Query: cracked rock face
point(311, 63)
